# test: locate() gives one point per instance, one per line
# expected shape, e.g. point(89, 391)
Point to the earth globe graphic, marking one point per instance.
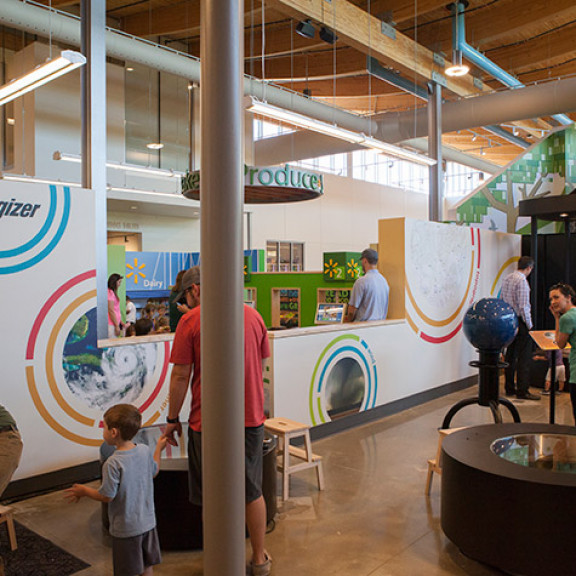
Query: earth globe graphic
point(102, 377)
point(490, 324)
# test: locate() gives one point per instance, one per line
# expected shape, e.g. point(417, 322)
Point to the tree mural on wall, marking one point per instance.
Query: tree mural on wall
point(510, 207)
point(548, 167)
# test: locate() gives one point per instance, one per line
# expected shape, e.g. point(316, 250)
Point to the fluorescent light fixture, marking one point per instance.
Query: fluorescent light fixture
point(397, 152)
point(146, 192)
point(68, 61)
point(22, 178)
point(256, 107)
point(147, 170)
point(457, 68)
point(155, 145)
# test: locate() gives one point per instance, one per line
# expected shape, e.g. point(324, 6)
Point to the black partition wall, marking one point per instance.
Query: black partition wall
point(553, 253)
point(551, 267)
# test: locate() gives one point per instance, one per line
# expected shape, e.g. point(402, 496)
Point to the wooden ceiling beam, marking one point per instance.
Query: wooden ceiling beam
point(362, 31)
point(310, 65)
point(163, 21)
point(497, 23)
point(540, 52)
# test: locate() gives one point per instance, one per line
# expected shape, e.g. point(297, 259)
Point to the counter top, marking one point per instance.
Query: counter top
point(346, 327)
point(151, 338)
point(272, 334)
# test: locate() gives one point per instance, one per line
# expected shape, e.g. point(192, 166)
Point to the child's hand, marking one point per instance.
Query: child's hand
point(161, 444)
point(75, 493)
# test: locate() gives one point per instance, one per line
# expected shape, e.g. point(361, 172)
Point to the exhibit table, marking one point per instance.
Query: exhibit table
point(509, 494)
point(178, 521)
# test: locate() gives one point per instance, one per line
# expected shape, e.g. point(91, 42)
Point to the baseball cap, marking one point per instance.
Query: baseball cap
point(370, 255)
point(190, 277)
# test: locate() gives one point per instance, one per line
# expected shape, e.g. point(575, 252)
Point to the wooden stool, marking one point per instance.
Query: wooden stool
point(286, 430)
point(7, 515)
point(434, 464)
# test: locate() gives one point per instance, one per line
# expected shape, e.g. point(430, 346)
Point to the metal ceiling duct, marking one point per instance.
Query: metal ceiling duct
point(66, 28)
point(496, 108)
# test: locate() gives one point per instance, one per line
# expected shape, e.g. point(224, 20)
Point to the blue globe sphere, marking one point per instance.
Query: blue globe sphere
point(490, 324)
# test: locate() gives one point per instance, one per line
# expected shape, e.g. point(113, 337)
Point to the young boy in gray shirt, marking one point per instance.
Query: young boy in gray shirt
point(128, 488)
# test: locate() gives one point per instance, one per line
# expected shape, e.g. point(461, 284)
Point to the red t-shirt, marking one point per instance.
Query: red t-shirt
point(186, 350)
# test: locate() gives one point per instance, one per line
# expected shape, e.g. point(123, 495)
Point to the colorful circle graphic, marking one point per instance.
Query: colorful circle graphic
point(72, 381)
point(437, 330)
point(43, 242)
point(344, 380)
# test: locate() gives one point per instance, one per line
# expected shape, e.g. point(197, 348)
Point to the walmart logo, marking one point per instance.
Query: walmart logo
point(331, 268)
point(353, 269)
point(135, 270)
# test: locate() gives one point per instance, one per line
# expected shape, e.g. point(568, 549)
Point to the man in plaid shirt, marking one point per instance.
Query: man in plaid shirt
point(516, 292)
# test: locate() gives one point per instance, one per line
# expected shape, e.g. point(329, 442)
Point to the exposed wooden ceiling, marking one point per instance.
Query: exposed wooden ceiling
point(531, 39)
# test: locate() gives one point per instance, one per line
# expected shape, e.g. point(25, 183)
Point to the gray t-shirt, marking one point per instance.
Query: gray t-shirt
point(127, 478)
point(370, 297)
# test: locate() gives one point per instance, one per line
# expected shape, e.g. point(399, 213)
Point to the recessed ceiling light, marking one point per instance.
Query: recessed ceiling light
point(564, 215)
point(129, 69)
point(133, 207)
point(155, 145)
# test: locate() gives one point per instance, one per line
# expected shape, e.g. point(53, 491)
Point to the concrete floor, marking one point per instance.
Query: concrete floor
point(372, 519)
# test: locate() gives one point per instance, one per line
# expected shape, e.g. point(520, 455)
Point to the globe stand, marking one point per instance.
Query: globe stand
point(488, 389)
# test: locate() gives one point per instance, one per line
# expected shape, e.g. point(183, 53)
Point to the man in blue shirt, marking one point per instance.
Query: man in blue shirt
point(369, 299)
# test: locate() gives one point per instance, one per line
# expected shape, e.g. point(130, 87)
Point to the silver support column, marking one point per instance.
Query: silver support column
point(93, 46)
point(221, 206)
point(436, 196)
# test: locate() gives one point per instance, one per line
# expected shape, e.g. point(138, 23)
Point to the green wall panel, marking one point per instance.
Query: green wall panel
point(308, 282)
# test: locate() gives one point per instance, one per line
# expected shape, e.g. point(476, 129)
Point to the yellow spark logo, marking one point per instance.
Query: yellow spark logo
point(330, 268)
point(245, 270)
point(135, 270)
point(353, 269)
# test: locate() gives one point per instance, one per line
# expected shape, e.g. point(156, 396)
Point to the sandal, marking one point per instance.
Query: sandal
point(262, 569)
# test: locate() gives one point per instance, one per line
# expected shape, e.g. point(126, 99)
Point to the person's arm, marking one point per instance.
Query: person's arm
point(112, 316)
point(561, 338)
point(524, 304)
point(160, 445)
point(354, 302)
point(179, 380)
point(78, 491)
point(350, 313)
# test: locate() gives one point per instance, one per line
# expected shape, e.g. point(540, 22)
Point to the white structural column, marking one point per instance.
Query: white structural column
point(436, 192)
point(221, 204)
point(93, 46)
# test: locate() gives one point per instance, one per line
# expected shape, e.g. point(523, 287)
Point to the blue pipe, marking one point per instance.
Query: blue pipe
point(484, 63)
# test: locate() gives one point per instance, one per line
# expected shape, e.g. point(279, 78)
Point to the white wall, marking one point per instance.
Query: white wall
point(344, 219)
point(159, 233)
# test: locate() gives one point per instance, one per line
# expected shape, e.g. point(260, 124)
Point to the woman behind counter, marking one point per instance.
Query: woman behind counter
point(115, 325)
point(176, 310)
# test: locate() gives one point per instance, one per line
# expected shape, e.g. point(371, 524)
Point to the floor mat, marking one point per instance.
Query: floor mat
point(36, 556)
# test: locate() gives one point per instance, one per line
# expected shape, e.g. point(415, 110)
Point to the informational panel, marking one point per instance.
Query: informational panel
point(55, 380)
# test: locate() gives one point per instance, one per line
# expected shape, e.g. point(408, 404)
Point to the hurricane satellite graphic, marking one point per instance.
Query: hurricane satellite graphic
point(102, 377)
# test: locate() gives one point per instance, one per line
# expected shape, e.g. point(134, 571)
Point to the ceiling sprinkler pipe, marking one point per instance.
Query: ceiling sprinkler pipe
point(480, 60)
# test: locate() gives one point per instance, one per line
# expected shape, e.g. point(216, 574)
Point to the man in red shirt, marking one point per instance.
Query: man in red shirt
point(185, 358)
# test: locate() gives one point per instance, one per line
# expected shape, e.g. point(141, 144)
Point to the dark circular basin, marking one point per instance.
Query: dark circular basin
point(509, 496)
